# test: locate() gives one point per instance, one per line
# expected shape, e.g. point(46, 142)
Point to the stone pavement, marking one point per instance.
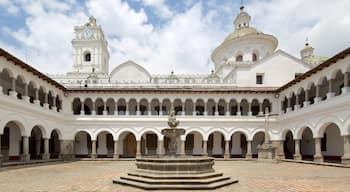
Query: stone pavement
point(96, 176)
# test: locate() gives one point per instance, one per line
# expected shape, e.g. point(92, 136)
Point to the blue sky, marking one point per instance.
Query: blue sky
point(165, 35)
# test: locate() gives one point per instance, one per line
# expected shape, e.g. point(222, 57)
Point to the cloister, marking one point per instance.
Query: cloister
point(40, 119)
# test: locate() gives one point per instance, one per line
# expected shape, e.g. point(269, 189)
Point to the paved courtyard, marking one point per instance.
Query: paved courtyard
point(96, 176)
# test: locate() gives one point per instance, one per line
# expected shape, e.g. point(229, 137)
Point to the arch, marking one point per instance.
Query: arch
point(59, 133)
point(199, 107)
point(324, 122)
point(99, 106)
point(36, 143)
point(96, 133)
point(233, 107)
point(216, 143)
point(20, 86)
point(110, 106)
point(87, 56)
point(299, 131)
point(11, 141)
point(239, 58)
point(88, 106)
point(200, 131)
point(42, 128)
point(17, 121)
point(83, 143)
point(254, 56)
point(332, 143)
point(178, 106)
point(222, 107)
point(307, 144)
point(258, 139)
point(149, 141)
point(54, 143)
point(31, 91)
point(128, 142)
point(144, 106)
point(76, 106)
point(288, 145)
point(6, 76)
point(104, 143)
point(189, 107)
point(194, 143)
point(220, 130)
point(238, 145)
point(244, 107)
point(122, 106)
point(255, 107)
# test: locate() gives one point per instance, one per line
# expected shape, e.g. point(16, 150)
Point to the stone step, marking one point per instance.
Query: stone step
point(175, 176)
point(175, 181)
point(179, 172)
point(184, 186)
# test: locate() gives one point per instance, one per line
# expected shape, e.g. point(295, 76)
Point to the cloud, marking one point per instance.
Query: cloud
point(161, 8)
point(183, 42)
point(325, 23)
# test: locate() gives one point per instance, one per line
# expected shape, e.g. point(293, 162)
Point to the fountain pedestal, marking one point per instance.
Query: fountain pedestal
point(173, 171)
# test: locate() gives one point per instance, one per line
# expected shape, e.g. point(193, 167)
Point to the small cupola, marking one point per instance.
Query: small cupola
point(242, 20)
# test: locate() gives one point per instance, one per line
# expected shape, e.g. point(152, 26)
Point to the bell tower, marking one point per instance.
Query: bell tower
point(90, 53)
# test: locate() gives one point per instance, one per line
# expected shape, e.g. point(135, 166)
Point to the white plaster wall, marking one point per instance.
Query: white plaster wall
point(102, 144)
point(277, 70)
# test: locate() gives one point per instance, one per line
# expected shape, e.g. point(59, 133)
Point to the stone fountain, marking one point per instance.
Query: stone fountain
point(172, 171)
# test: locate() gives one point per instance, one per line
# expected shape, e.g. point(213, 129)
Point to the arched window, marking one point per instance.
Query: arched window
point(87, 57)
point(254, 57)
point(239, 58)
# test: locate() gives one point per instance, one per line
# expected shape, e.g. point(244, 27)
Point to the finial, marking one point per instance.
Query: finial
point(172, 72)
point(307, 41)
point(212, 71)
point(242, 6)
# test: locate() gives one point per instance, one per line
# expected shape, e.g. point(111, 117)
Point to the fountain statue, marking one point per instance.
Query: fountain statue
point(172, 171)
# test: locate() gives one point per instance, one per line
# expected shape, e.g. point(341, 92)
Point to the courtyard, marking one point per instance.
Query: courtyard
point(96, 176)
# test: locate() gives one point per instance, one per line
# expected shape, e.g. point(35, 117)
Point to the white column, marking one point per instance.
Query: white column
point(317, 98)
point(36, 100)
point(297, 155)
point(239, 109)
point(149, 109)
point(93, 149)
point(105, 112)
point(250, 109)
point(46, 154)
point(227, 150)
point(116, 108)
point(297, 106)
point(249, 150)
point(289, 104)
point(13, 92)
point(228, 109)
point(205, 109)
point(138, 148)
point(46, 102)
point(346, 88)
point(216, 113)
point(330, 93)
point(205, 146)
point(306, 102)
point(82, 108)
point(261, 109)
point(318, 154)
point(25, 156)
point(183, 109)
point(116, 154)
point(138, 112)
point(346, 156)
point(93, 110)
point(54, 107)
point(126, 108)
point(194, 110)
point(25, 96)
point(182, 149)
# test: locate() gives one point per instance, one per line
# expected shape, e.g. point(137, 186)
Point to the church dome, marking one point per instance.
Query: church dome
point(245, 45)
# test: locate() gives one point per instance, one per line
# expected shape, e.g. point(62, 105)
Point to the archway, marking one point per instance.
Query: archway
point(76, 106)
point(83, 144)
point(194, 143)
point(54, 145)
point(216, 144)
point(289, 146)
point(127, 145)
point(332, 144)
point(149, 143)
point(238, 145)
point(258, 139)
point(36, 143)
point(105, 145)
point(307, 145)
point(11, 142)
point(6, 81)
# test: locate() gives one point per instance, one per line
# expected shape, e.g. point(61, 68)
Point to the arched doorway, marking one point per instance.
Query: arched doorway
point(216, 144)
point(82, 146)
point(105, 145)
point(54, 145)
point(11, 142)
point(128, 145)
point(258, 139)
point(238, 145)
point(307, 145)
point(194, 143)
point(332, 144)
point(36, 143)
point(149, 143)
point(289, 146)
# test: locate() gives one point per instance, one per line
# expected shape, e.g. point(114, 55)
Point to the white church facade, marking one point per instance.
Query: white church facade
point(93, 113)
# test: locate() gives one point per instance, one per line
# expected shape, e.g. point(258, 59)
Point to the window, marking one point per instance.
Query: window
point(259, 79)
point(239, 58)
point(254, 57)
point(87, 57)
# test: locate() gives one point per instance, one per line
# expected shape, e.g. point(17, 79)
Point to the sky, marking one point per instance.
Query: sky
point(165, 35)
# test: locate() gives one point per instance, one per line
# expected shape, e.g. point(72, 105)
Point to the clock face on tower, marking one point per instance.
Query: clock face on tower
point(87, 33)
